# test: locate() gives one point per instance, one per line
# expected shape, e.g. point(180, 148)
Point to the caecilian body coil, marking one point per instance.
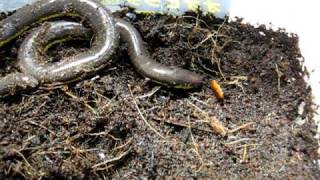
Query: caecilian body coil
point(107, 32)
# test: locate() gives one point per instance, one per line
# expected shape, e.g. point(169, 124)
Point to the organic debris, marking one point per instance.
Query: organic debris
point(101, 128)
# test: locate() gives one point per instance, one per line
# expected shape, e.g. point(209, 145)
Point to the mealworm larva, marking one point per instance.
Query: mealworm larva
point(217, 90)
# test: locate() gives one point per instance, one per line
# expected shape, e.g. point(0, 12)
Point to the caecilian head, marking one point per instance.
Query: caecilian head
point(185, 79)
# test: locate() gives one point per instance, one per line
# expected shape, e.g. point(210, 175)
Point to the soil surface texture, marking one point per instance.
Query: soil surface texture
point(118, 124)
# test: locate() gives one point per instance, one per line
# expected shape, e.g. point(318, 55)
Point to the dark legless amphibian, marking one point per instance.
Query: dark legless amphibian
point(106, 30)
point(97, 16)
point(147, 67)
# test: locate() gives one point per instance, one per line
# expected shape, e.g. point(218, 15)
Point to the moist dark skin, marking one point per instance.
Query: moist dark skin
point(106, 31)
point(147, 67)
point(31, 53)
point(100, 21)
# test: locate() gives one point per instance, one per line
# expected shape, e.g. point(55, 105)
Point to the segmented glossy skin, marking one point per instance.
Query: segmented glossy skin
point(31, 59)
point(106, 30)
point(147, 67)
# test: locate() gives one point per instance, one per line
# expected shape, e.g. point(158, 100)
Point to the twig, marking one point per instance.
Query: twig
point(39, 107)
point(217, 125)
point(202, 65)
point(112, 160)
point(40, 125)
point(248, 145)
point(219, 68)
point(236, 80)
point(200, 101)
point(244, 154)
point(70, 94)
point(141, 115)
point(25, 160)
point(105, 168)
point(106, 134)
point(195, 145)
point(238, 141)
point(241, 127)
point(209, 36)
point(98, 134)
point(196, 107)
point(150, 93)
point(213, 54)
point(30, 138)
point(123, 145)
point(197, 19)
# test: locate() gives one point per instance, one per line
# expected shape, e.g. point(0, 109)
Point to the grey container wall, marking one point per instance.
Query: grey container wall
point(176, 7)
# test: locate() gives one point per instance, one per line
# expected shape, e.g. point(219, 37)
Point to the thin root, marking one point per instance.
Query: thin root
point(73, 96)
point(217, 125)
point(141, 115)
point(112, 160)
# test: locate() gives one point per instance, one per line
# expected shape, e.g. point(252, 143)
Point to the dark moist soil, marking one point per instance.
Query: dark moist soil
point(92, 128)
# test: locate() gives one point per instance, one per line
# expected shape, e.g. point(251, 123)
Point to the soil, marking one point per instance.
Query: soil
point(117, 124)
